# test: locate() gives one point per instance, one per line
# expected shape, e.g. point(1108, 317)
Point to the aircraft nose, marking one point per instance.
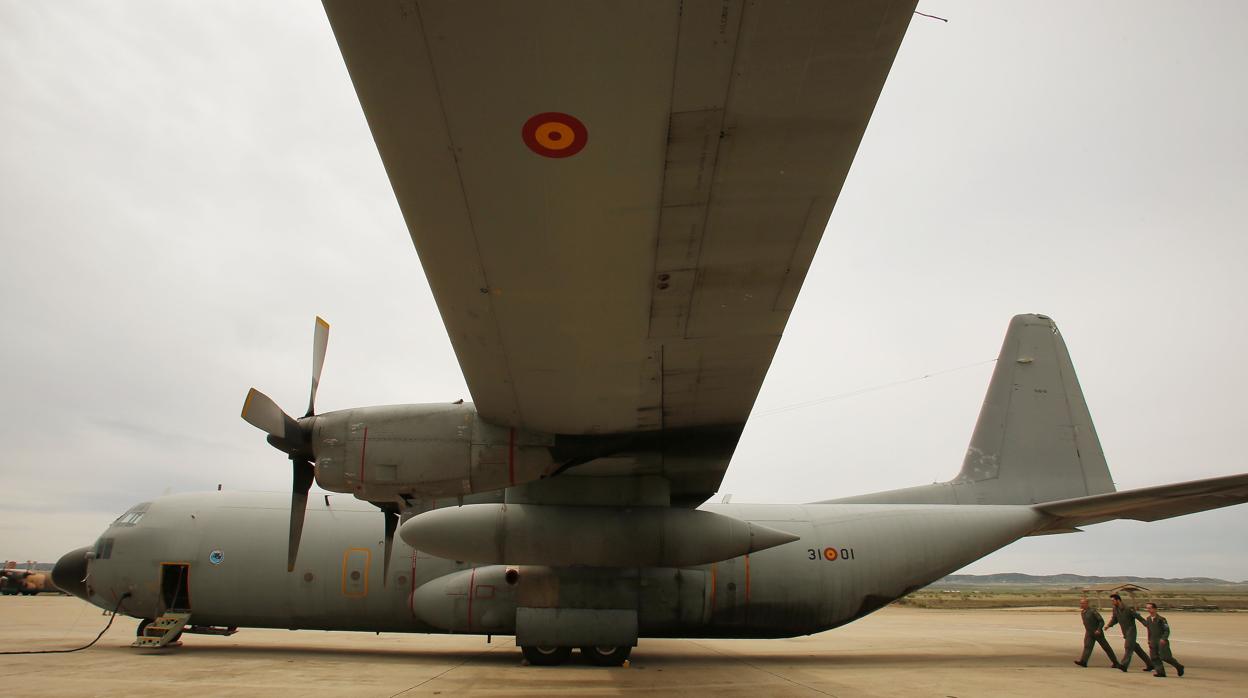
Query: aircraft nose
point(70, 573)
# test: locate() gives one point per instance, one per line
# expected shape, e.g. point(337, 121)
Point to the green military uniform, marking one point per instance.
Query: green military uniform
point(1124, 617)
point(1158, 630)
point(1093, 632)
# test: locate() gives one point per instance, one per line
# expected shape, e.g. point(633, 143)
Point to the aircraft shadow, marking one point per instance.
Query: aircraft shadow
point(506, 654)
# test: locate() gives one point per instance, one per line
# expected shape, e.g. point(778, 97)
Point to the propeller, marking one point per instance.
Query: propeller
point(320, 340)
point(292, 437)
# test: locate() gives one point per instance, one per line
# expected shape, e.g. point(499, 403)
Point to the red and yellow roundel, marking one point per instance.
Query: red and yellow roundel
point(830, 554)
point(554, 134)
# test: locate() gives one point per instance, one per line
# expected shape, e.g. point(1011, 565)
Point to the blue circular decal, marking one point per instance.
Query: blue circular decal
point(216, 557)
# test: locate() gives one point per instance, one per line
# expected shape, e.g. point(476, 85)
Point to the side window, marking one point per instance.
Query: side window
point(103, 548)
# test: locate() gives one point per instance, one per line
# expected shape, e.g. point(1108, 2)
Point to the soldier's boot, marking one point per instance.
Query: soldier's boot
point(1179, 668)
point(1148, 661)
point(1082, 664)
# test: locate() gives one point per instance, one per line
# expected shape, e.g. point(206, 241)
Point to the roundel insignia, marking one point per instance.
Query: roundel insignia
point(554, 134)
point(829, 553)
point(216, 557)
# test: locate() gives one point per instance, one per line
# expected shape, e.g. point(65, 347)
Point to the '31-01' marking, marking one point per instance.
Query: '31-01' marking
point(830, 554)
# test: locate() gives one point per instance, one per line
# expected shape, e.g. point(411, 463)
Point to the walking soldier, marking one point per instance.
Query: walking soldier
point(1124, 617)
point(1159, 642)
point(1093, 632)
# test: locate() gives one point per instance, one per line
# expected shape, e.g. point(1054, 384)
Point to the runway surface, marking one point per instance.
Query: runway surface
point(895, 652)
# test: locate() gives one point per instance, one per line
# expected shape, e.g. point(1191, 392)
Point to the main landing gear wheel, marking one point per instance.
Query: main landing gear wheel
point(546, 656)
point(606, 656)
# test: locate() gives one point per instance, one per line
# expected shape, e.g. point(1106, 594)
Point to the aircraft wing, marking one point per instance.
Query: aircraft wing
point(1148, 503)
point(616, 203)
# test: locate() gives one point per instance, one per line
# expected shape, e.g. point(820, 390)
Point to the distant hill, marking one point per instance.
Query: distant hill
point(1017, 578)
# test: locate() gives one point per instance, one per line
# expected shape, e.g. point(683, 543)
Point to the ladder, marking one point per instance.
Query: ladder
point(162, 631)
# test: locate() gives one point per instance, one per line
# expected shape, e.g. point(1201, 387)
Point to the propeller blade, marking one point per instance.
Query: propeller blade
point(304, 473)
point(392, 523)
point(261, 412)
point(320, 340)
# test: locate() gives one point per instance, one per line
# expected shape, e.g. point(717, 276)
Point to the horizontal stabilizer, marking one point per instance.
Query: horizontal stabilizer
point(1147, 503)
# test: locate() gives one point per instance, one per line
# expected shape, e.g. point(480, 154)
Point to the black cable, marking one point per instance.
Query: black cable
point(79, 649)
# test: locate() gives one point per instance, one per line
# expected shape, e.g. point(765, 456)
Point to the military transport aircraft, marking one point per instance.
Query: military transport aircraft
point(30, 581)
point(615, 205)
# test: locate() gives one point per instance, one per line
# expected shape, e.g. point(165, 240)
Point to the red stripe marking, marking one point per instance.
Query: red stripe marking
point(472, 588)
point(363, 449)
point(511, 456)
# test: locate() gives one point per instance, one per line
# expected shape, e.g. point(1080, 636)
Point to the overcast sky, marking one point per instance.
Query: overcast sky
point(184, 185)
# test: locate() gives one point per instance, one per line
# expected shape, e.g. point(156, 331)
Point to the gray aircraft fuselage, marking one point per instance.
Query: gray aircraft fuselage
point(611, 560)
point(850, 560)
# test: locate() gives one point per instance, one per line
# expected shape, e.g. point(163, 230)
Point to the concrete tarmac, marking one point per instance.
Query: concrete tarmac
point(895, 652)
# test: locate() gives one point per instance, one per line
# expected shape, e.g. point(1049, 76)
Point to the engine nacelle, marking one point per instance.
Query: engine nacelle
point(423, 452)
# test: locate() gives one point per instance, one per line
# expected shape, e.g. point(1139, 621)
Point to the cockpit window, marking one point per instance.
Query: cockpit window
point(133, 516)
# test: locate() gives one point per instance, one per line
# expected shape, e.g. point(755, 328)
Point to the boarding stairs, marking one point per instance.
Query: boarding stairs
point(162, 631)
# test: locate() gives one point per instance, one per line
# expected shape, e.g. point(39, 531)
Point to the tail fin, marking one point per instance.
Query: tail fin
point(1034, 441)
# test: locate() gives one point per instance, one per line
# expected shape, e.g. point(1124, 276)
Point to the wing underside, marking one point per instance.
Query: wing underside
point(640, 283)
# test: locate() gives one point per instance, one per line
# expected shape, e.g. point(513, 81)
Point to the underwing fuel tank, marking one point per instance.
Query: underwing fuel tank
point(558, 536)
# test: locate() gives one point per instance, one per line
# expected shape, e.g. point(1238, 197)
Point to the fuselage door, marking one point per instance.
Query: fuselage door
point(175, 586)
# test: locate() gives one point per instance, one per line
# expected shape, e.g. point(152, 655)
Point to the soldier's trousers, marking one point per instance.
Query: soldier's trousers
point(1131, 646)
point(1090, 639)
point(1161, 653)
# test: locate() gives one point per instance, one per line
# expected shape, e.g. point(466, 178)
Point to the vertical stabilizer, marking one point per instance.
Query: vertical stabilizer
point(1034, 441)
